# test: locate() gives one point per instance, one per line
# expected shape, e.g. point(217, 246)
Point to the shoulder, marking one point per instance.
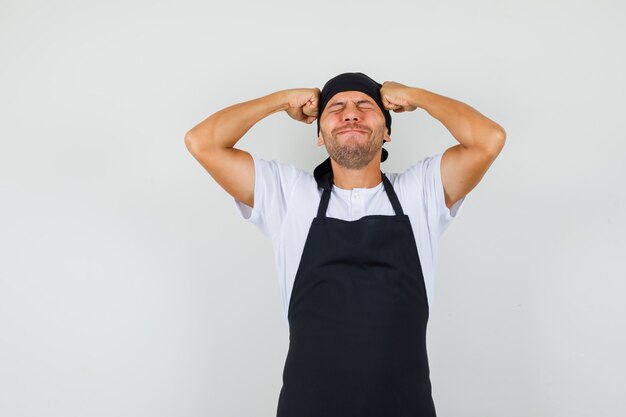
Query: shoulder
point(420, 187)
point(276, 168)
point(417, 173)
point(274, 185)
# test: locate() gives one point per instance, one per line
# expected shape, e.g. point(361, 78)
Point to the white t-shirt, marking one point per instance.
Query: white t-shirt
point(286, 199)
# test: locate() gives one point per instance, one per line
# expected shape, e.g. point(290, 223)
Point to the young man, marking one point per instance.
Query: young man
point(355, 248)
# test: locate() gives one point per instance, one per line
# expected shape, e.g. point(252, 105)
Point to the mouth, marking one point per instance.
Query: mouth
point(351, 131)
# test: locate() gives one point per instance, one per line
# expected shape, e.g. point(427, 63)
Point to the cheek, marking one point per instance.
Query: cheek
point(328, 123)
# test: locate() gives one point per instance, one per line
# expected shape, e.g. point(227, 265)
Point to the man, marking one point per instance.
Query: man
point(356, 291)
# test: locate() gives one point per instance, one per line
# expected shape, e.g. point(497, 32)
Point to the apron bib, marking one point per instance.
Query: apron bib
point(357, 319)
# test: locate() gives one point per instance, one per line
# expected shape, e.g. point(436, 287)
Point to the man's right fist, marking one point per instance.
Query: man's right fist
point(303, 104)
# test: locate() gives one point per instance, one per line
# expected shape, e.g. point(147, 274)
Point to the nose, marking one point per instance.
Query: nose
point(351, 112)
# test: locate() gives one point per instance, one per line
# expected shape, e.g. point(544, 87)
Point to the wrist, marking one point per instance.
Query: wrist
point(273, 102)
point(279, 100)
point(417, 97)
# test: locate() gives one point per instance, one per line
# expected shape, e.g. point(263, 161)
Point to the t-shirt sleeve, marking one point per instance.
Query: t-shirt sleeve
point(439, 216)
point(274, 182)
point(427, 172)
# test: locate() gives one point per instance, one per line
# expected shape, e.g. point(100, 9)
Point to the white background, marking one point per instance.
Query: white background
point(129, 286)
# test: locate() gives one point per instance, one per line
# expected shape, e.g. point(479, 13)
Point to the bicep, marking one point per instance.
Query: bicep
point(462, 169)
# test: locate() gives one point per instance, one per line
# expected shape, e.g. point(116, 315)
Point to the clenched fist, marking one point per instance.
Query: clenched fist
point(396, 97)
point(303, 104)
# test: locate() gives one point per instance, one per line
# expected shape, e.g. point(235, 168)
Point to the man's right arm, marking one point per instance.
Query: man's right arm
point(212, 141)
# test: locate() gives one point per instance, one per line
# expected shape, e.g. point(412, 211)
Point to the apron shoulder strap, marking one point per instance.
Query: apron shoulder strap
point(391, 193)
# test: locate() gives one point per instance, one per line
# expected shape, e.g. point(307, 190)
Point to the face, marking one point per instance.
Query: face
point(352, 110)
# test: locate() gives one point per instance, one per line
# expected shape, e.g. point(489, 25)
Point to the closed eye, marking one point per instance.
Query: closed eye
point(361, 103)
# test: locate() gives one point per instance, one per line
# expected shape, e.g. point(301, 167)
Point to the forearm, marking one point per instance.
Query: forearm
point(467, 125)
point(224, 128)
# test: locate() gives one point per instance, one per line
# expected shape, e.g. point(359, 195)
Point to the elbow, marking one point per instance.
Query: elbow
point(497, 141)
point(501, 134)
point(190, 143)
point(193, 144)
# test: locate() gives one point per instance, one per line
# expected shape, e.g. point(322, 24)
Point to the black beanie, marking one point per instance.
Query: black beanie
point(353, 81)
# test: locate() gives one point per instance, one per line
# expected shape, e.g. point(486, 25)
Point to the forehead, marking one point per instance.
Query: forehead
point(350, 95)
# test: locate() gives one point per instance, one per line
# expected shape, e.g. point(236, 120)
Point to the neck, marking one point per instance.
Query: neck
point(367, 177)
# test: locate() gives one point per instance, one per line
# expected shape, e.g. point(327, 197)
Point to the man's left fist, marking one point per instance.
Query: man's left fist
point(396, 97)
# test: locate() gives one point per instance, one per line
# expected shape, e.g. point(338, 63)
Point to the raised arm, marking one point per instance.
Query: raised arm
point(481, 139)
point(212, 141)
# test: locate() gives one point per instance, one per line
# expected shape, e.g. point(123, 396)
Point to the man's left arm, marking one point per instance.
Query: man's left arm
point(481, 139)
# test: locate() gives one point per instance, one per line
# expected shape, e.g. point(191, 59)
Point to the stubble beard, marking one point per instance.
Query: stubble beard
point(351, 151)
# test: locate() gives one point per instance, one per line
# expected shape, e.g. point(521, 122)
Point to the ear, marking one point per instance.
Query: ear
point(387, 138)
point(320, 139)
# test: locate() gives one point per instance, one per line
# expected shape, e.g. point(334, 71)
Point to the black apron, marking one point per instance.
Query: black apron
point(357, 319)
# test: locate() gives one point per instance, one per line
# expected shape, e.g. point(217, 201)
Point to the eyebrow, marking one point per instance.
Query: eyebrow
point(357, 102)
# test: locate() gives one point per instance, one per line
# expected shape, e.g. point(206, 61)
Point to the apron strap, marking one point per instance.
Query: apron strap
point(391, 193)
point(321, 209)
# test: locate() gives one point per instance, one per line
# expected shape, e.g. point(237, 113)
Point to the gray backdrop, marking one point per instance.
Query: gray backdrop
point(129, 286)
